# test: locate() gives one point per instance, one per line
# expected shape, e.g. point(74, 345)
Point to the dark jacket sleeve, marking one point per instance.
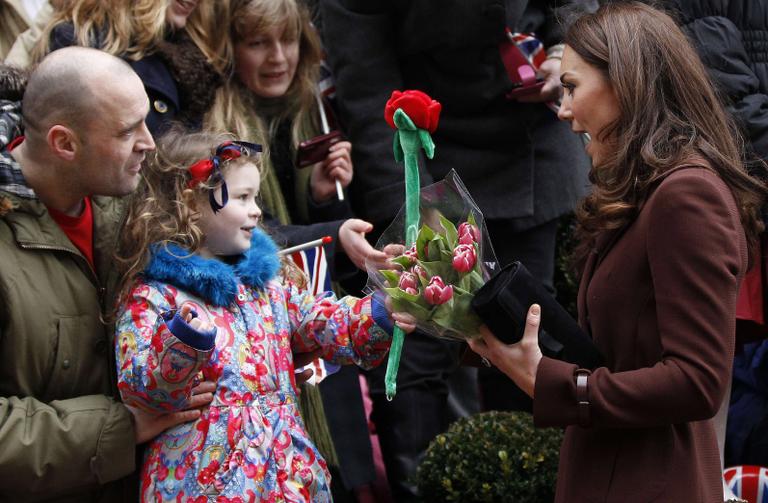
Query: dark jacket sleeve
point(719, 43)
point(360, 38)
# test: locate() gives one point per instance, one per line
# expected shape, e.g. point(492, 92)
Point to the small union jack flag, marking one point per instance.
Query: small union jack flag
point(531, 47)
point(315, 266)
point(748, 482)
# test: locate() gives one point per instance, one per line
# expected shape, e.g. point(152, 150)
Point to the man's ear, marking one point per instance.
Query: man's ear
point(63, 142)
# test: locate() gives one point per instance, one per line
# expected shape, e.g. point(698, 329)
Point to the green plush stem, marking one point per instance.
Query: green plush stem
point(408, 141)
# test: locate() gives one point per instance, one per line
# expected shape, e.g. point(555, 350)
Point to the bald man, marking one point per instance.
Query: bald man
point(63, 435)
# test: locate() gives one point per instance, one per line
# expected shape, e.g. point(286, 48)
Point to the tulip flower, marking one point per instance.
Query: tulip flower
point(419, 271)
point(412, 254)
point(468, 234)
point(464, 258)
point(408, 283)
point(437, 292)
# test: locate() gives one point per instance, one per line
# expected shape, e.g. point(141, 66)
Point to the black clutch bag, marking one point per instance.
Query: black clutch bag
point(503, 303)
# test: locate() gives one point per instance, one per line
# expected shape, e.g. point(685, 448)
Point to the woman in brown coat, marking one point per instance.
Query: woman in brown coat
point(665, 237)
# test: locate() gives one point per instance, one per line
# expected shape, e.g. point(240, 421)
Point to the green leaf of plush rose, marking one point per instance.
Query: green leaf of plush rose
point(391, 276)
point(402, 121)
point(451, 234)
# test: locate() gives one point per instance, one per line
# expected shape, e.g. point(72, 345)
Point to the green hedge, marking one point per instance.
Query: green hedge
point(491, 457)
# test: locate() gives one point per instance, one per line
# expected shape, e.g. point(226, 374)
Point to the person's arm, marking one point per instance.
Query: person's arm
point(159, 352)
point(360, 38)
point(349, 330)
point(694, 259)
point(51, 448)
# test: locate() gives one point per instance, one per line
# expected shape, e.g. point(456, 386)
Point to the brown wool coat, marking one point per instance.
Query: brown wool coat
point(659, 301)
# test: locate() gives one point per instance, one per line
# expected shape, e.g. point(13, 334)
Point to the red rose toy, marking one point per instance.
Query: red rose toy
point(422, 110)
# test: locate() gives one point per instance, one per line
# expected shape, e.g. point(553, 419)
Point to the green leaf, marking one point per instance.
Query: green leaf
point(451, 234)
point(438, 268)
point(391, 276)
point(471, 219)
point(419, 311)
point(425, 234)
point(399, 294)
point(427, 143)
point(437, 245)
point(402, 121)
point(402, 261)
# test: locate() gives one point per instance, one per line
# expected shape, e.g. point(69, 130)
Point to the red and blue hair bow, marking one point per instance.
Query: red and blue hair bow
point(204, 169)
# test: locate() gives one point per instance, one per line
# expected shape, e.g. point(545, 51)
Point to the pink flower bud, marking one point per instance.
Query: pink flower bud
point(408, 283)
point(412, 254)
point(437, 292)
point(468, 234)
point(419, 271)
point(464, 258)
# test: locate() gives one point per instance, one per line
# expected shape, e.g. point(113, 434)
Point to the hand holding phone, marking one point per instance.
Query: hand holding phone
point(316, 149)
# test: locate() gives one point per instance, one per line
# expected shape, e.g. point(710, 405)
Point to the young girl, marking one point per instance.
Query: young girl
point(203, 290)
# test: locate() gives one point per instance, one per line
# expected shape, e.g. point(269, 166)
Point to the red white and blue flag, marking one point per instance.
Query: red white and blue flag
point(748, 482)
point(315, 266)
point(530, 46)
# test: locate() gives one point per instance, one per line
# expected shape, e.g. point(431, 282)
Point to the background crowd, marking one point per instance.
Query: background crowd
point(171, 78)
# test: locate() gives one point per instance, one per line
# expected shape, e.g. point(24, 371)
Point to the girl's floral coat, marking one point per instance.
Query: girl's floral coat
point(250, 445)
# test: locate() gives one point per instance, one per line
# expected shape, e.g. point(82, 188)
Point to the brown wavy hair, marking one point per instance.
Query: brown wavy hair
point(669, 114)
point(165, 210)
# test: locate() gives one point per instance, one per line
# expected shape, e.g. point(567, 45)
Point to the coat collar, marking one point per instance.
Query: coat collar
point(213, 280)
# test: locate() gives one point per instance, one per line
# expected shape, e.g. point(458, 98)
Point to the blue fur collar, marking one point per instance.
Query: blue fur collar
point(212, 279)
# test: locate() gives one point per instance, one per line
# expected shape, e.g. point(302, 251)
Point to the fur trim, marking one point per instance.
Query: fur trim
point(212, 279)
point(13, 81)
point(196, 79)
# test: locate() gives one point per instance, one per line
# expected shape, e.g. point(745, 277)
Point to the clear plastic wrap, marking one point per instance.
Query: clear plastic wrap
point(435, 280)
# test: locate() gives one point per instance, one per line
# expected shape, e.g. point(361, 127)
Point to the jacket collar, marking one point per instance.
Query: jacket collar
point(213, 280)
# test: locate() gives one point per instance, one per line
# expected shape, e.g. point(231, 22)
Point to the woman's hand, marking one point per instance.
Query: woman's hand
point(336, 166)
point(352, 240)
point(302, 360)
point(550, 72)
point(519, 361)
point(147, 425)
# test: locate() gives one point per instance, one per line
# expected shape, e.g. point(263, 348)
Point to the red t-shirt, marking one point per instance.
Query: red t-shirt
point(78, 229)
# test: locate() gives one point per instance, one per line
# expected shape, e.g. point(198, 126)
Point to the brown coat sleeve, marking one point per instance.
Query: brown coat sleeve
point(696, 254)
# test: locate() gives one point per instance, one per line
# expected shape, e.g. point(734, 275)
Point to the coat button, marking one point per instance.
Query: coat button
point(160, 106)
point(241, 297)
point(65, 364)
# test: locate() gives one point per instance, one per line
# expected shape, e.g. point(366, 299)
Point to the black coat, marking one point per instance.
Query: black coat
point(517, 160)
point(731, 37)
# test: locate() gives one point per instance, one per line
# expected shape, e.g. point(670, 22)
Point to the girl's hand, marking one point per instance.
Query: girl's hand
point(186, 314)
point(303, 359)
point(336, 166)
point(352, 240)
point(519, 361)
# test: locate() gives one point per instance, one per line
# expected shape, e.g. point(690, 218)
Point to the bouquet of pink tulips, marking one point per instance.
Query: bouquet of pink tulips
point(435, 280)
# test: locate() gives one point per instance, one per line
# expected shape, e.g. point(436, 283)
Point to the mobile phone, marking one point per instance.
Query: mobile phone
point(519, 90)
point(316, 149)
